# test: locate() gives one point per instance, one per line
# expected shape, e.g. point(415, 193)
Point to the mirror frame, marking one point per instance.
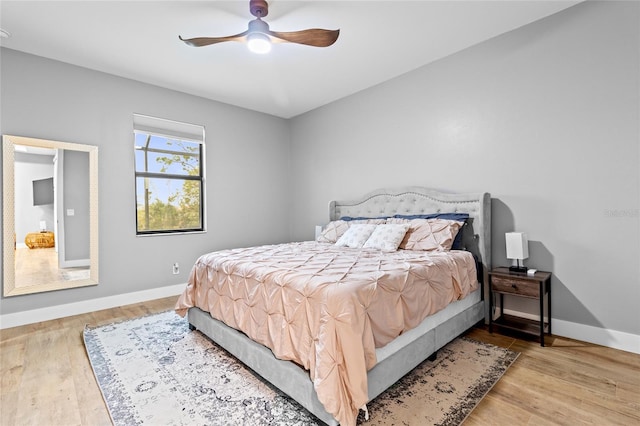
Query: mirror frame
point(8, 206)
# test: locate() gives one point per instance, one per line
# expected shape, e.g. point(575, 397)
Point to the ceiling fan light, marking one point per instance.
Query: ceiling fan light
point(259, 43)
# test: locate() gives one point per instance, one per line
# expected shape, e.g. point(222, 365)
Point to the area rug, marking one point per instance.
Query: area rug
point(155, 371)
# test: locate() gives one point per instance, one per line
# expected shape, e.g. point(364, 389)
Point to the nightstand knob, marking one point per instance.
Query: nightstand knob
point(513, 285)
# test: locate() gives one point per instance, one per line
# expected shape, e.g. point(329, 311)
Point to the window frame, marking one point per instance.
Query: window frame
point(178, 131)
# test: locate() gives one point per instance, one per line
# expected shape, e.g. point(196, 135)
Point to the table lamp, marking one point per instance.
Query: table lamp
point(518, 249)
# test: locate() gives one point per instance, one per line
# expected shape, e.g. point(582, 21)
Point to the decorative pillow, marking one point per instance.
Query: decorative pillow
point(336, 228)
point(458, 241)
point(356, 235)
point(350, 219)
point(332, 231)
point(387, 237)
point(429, 234)
point(460, 217)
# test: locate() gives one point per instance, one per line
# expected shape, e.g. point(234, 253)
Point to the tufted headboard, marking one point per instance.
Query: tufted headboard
point(476, 235)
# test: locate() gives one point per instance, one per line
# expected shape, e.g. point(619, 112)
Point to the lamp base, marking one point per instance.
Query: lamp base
point(518, 269)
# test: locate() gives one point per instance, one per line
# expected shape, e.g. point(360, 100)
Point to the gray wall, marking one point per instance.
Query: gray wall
point(545, 118)
point(247, 166)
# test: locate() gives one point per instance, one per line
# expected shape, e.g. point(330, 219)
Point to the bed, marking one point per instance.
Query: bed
point(321, 356)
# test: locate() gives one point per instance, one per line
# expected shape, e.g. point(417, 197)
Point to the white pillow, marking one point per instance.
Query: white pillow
point(387, 237)
point(356, 235)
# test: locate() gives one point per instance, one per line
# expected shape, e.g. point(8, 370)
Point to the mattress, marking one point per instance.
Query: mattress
point(328, 308)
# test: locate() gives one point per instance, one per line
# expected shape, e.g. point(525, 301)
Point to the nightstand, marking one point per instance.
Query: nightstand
point(536, 286)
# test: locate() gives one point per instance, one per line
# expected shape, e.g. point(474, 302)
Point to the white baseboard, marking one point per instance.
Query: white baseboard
point(600, 336)
point(587, 333)
point(76, 308)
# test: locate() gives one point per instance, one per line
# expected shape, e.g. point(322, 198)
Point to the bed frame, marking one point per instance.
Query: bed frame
point(409, 349)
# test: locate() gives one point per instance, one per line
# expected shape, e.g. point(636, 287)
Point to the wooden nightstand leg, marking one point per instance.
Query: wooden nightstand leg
point(542, 313)
point(548, 284)
point(491, 307)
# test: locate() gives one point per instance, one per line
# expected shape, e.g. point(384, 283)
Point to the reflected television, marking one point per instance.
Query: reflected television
point(43, 192)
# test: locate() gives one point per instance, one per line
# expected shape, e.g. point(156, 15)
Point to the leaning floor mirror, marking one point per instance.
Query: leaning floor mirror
point(50, 215)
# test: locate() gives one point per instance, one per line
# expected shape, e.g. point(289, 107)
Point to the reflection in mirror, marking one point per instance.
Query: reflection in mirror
point(50, 211)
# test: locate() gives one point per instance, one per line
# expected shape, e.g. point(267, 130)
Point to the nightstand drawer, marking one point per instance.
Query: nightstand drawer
point(515, 286)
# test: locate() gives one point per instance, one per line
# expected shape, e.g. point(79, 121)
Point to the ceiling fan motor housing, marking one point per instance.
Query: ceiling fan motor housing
point(258, 26)
point(258, 8)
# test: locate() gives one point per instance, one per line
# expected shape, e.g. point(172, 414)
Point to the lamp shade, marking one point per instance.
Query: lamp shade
point(517, 245)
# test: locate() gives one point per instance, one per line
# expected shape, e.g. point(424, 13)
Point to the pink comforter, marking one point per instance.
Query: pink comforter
point(327, 308)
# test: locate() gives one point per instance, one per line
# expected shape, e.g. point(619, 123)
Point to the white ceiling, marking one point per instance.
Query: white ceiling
point(378, 41)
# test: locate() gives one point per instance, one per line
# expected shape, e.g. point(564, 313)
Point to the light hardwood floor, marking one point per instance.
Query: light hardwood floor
point(47, 379)
point(40, 266)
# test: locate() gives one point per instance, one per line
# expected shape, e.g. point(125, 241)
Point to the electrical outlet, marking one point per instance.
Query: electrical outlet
point(176, 268)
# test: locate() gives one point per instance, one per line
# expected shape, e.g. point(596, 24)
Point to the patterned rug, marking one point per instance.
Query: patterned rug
point(154, 370)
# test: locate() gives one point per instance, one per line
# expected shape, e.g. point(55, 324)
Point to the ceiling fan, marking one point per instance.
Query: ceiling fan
point(259, 37)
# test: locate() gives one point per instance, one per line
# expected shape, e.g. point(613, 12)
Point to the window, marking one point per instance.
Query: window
point(169, 175)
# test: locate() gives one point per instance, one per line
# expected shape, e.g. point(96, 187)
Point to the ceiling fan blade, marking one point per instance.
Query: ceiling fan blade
point(206, 41)
point(312, 37)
